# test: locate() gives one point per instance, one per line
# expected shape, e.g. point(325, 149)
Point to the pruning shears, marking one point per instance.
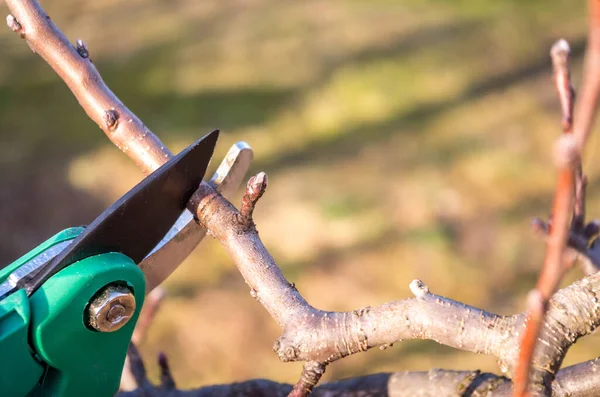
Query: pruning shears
point(68, 308)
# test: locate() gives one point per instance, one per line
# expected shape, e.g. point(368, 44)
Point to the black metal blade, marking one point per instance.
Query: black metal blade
point(138, 220)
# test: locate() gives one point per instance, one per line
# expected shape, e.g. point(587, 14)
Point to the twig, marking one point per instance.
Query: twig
point(151, 306)
point(256, 187)
point(166, 379)
point(562, 81)
point(311, 374)
point(137, 368)
point(585, 110)
point(566, 158)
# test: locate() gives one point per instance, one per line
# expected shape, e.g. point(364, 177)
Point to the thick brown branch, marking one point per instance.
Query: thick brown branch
point(580, 380)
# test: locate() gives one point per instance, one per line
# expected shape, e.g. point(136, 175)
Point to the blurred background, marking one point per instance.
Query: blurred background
point(402, 139)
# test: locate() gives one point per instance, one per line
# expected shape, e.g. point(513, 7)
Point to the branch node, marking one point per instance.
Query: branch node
point(361, 312)
point(566, 152)
point(111, 119)
point(14, 25)
point(419, 289)
point(290, 353)
point(82, 49)
point(386, 346)
point(276, 346)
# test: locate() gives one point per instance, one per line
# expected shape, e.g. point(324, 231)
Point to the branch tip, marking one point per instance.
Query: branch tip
point(256, 187)
point(560, 50)
point(418, 288)
point(14, 25)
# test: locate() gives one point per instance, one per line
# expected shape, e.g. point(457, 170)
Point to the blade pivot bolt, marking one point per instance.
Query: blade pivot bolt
point(112, 309)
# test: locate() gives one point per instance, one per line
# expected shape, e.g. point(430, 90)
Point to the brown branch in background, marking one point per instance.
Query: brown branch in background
point(143, 387)
point(433, 383)
point(149, 310)
point(166, 379)
point(151, 306)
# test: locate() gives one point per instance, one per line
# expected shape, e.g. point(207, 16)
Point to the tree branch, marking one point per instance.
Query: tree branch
point(585, 110)
point(566, 159)
point(579, 380)
point(254, 190)
point(123, 127)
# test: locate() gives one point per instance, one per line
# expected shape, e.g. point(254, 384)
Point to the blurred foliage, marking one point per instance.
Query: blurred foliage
point(403, 139)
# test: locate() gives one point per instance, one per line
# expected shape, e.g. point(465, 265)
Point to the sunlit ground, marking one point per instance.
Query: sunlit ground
point(402, 139)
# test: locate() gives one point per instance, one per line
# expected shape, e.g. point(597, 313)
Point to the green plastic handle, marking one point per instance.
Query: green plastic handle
point(68, 358)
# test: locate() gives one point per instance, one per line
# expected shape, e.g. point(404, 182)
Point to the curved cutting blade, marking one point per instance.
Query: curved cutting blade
point(138, 220)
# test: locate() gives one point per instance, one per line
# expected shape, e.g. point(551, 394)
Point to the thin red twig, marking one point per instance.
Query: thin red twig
point(585, 111)
point(552, 269)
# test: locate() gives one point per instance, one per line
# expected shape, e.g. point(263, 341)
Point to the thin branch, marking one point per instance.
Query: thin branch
point(566, 158)
point(585, 110)
point(256, 187)
point(137, 368)
point(166, 378)
point(562, 81)
point(151, 305)
point(311, 374)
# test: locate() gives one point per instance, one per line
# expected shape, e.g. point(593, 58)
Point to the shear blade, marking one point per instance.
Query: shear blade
point(186, 234)
point(138, 220)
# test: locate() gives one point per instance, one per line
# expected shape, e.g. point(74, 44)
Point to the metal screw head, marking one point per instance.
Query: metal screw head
point(112, 309)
